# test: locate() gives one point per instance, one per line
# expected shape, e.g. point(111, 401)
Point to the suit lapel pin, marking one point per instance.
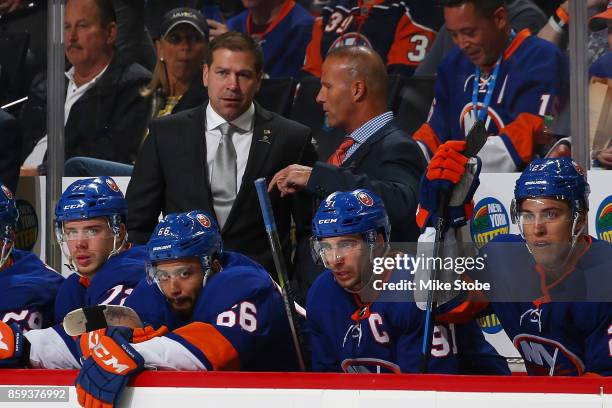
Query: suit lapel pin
point(266, 137)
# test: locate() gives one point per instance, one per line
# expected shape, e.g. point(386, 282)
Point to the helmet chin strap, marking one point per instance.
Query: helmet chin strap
point(5, 255)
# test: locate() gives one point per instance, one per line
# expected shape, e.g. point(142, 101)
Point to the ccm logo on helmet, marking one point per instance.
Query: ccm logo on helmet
point(328, 221)
point(7, 192)
point(73, 206)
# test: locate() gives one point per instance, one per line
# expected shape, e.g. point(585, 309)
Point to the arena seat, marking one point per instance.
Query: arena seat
point(415, 100)
point(276, 95)
point(13, 50)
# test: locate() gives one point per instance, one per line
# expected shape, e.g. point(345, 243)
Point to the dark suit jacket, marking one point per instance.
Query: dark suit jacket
point(388, 163)
point(171, 175)
point(10, 148)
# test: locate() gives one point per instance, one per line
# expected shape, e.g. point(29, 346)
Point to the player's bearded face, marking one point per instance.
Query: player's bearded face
point(547, 226)
point(181, 283)
point(90, 243)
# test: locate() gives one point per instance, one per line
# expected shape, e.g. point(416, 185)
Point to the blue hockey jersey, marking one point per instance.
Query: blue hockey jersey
point(111, 284)
point(238, 322)
point(401, 32)
point(347, 335)
point(28, 289)
point(283, 42)
point(532, 81)
point(555, 335)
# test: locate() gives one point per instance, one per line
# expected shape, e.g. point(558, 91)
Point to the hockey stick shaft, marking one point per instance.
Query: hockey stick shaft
point(281, 269)
point(475, 140)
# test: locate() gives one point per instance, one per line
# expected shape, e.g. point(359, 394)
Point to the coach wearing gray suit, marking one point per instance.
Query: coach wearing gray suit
point(208, 157)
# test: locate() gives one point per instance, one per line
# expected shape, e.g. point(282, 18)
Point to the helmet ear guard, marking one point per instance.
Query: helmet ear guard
point(8, 221)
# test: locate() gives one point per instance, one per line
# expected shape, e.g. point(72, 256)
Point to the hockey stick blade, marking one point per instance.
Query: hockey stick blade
point(475, 139)
point(91, 318)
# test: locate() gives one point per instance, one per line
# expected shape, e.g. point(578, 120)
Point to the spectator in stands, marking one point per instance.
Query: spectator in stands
point(176, 84)
point(10, 146)
point(208, 157)
point(521, 14)
point(105, 116)
point(505, 79)
point(602, 68)
point(375, 154)
point(401, 32)
point(283, 29)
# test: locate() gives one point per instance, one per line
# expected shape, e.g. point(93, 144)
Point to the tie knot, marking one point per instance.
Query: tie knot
point(226, 128)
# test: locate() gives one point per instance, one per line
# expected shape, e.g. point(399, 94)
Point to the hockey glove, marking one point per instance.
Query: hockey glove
point(107, 370)
point(90, 339)
point(447, 173)
point(14, 347)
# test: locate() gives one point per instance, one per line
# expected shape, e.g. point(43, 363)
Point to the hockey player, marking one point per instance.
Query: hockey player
point(353, 328)
point(90, 226)
point(222, 309)
point(505, 79)
point(401, 32)
point(27, 286)
point(550, 287)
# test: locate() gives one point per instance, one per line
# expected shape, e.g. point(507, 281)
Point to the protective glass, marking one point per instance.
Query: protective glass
point(326, 253)
point(548, 216)
point(160, 275)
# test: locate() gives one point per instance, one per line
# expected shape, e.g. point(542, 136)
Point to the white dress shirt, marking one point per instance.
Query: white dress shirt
point(242, 139)
point(73, 93)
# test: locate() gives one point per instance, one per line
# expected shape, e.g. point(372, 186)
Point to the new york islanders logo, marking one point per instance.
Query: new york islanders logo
point(7, 192)
point(603, 220)
point(112, 185)
point(204, 220)
point(490, 219)
point(352, 39)
point(365, 199)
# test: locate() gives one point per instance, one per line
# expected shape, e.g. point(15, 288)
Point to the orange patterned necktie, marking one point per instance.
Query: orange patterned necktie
point(338, 156)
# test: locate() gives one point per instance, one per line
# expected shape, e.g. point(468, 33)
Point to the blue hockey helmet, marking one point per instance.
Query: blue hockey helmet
point(352, 212)
point(185, 235)
point(91, 198)
point(559, 178)
point(8, 220)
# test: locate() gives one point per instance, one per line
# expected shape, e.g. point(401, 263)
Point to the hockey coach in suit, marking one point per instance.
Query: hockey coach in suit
point(208, 157)
point(375, 154)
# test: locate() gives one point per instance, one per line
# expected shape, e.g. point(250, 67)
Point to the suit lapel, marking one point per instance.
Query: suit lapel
point(365, 148)
point(263, 137)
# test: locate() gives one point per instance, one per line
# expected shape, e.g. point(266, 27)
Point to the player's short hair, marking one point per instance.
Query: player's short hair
point(238, 42)
point(486, 8)
point(364, 62)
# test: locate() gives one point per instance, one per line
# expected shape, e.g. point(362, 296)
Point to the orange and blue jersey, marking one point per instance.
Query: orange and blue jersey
point(29, 288)
point(111, 285)
point(532, 81)
point(401, 32)
point(560, 327)
point(283, 42)
point(346, 335)
point(238, 321)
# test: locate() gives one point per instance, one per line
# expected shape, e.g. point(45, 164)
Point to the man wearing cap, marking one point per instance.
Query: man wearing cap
point(104, 115)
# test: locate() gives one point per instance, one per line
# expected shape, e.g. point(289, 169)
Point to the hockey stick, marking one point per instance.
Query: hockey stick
point(475, 140)
point(91, 318)
point(281, 269)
